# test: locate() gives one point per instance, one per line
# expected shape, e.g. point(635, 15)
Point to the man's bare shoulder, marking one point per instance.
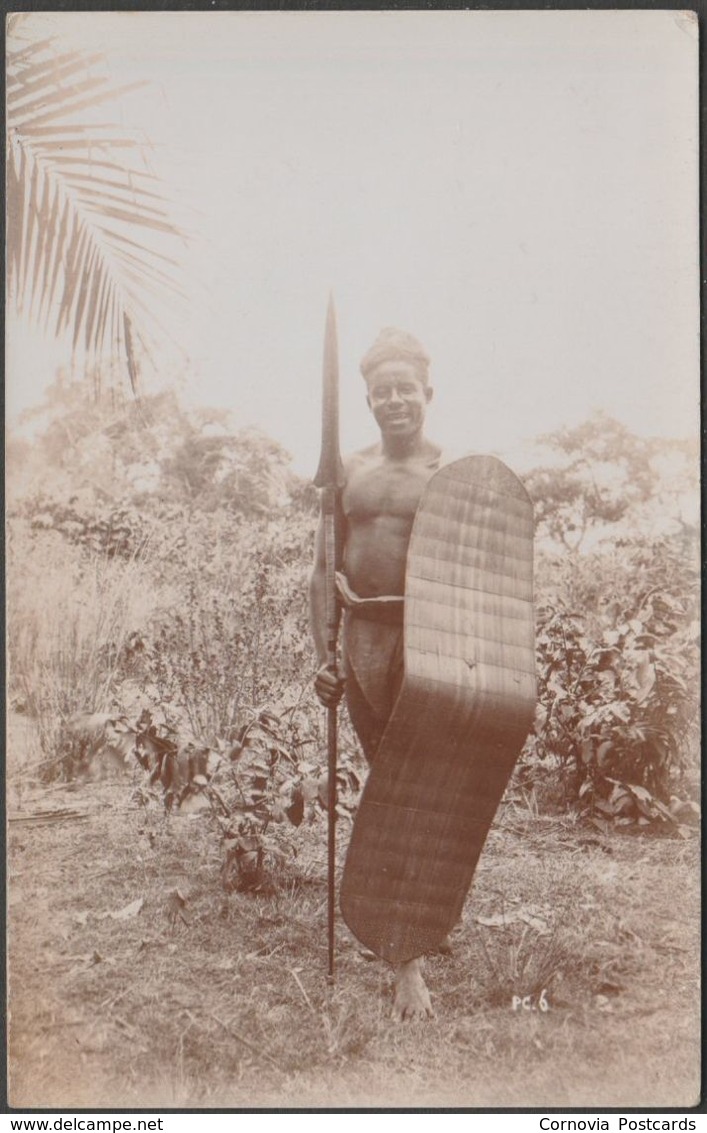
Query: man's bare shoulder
point(364, 459)
point(433, 453)
point(356, 460)
point(450, 456)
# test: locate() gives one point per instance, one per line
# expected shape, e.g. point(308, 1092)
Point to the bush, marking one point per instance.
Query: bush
point(257, 789)
point(237, 636)
point(231, 723)
point(618, 670)
point(113, 530)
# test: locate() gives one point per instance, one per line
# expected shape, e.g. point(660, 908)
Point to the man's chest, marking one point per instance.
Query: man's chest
point(386, 488)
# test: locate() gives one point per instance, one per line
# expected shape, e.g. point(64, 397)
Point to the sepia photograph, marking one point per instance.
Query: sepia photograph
point(353, 560)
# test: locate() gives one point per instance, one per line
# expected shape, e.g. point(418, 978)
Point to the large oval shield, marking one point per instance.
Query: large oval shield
point(462, 715)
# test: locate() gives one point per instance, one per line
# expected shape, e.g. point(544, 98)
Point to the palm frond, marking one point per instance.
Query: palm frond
point(88, 228)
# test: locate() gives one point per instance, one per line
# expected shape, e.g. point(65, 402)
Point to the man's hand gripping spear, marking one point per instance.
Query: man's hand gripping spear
point(329, 479)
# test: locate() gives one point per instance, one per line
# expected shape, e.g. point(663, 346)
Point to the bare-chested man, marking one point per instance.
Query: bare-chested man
point(382, 489)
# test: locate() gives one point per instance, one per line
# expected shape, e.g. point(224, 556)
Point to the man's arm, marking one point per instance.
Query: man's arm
point(317, 598)
point(328, 684)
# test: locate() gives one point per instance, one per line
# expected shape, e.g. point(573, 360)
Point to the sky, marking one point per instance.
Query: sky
point(517, 189)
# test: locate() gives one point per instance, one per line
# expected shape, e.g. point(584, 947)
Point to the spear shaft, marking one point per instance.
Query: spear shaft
point(329, 478)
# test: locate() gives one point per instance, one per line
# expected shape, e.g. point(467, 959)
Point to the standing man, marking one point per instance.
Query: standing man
point(382, 488)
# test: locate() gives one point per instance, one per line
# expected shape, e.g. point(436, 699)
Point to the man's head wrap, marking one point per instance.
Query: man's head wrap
point(394, 344)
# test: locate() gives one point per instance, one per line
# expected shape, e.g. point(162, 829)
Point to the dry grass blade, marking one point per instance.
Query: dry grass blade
point(61, 814)
point(300, 985)
point(246, 1042)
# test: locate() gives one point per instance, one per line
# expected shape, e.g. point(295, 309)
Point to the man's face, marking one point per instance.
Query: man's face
point(397, 397)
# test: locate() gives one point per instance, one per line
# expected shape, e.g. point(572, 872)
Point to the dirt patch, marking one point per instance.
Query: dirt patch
point(123, 995)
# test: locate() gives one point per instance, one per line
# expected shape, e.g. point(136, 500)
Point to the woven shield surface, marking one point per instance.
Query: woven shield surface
point(462, 715)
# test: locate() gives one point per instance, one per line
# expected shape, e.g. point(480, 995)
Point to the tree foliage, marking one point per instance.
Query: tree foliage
point(212, 467)
point(603, 478)
point(98, 460)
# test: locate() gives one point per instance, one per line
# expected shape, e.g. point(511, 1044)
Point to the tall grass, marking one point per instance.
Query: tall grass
point(220, 624)
point(71, 615)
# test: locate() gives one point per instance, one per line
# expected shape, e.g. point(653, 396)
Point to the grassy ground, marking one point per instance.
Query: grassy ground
point(229, 1005)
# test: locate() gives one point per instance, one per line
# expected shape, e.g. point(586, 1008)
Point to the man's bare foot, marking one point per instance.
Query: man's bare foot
point(412, 999)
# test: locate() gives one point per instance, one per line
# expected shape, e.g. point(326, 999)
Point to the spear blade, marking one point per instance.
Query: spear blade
point(330, 473)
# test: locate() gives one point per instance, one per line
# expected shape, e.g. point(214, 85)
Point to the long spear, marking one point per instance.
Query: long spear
point(329, 478)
